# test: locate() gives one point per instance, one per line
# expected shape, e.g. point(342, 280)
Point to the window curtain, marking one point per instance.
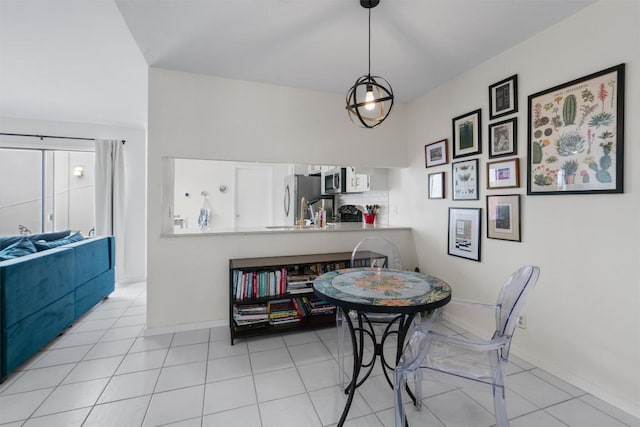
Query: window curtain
point(110, 197)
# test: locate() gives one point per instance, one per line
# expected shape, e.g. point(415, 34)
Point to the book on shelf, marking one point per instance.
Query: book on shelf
point(251, 284)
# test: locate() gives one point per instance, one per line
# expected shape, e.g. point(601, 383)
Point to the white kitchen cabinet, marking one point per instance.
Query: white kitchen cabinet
point(357, 182)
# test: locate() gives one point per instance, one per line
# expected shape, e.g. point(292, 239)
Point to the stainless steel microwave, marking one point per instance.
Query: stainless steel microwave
point(334, 181)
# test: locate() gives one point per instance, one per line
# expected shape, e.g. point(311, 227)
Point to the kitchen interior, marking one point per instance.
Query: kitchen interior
point(209, 196)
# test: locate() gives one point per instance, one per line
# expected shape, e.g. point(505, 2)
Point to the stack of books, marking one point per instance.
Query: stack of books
point(317, 306)
point(283, 311)
point(300, 284)
point(251, 315)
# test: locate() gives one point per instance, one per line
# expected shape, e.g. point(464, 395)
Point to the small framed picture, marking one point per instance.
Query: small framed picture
point(503, 97)
point(435, 153)
point(503, 174)
point(467, 134)
point(503, 138)
point(436, 185)
point(464, 233)
point(503, 217)
point(465, 180)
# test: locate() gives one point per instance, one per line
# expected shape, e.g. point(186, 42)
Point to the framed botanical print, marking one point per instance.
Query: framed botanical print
point(503, 217)
point(464, 176)
point(436, 185)
point(503, 138)
point(464, 233)
point(467, 134)
point(503, 97)
point(435, 153)
point(503, 174)
point(575, 136)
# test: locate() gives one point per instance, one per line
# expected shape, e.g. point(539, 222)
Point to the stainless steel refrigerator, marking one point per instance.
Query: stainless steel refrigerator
point(297, 187)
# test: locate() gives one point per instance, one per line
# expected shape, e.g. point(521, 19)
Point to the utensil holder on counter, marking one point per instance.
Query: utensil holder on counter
point(369, 218)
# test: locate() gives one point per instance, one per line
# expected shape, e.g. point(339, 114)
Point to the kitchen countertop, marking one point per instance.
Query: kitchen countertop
point(333, 227)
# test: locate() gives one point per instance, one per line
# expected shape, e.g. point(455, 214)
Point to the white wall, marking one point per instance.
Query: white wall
point(583, 318)
point(133, 266)
point(196, 116)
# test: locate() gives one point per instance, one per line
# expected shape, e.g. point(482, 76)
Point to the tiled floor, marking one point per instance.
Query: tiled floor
point(104, 372)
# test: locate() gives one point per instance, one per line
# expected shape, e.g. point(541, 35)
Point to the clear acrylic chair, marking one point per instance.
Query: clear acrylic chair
point(376, 252)
point(484, 361)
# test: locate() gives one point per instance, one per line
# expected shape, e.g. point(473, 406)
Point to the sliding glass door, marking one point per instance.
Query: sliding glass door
point(46, 190)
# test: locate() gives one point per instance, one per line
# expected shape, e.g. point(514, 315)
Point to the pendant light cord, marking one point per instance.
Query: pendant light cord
point(369, 41)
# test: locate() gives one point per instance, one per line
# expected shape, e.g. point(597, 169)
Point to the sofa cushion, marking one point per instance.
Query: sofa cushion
point(43, 245)
point(93, 257)
point(20, 248)
point(6, 241)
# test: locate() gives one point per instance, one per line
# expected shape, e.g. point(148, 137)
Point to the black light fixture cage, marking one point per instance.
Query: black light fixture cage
point(370, 99)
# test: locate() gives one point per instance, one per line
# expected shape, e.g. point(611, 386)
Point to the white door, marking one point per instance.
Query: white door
point(253, 196)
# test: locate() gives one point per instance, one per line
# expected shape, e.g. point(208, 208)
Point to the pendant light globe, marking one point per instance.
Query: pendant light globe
point(370, 99)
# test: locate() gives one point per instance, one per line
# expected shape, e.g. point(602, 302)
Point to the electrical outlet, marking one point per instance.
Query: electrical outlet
point(522, 321)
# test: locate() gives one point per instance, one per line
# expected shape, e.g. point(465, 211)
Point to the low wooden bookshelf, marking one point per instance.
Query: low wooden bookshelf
point(274, 294)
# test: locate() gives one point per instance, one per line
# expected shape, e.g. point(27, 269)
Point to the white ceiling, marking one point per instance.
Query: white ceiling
point(74, 60)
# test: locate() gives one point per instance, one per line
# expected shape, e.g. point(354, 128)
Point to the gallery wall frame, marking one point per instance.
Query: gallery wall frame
point(435, 154)
point(503, 174)
point(503, 97)
point(464, 180)
point(436, 185)
point(503, 217)
point(575, 135)
point(464, 233)
point(467, 134)
point(503, 138)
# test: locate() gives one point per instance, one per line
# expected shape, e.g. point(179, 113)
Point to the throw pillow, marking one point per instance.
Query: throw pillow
point(43, 245)
point(22, 247)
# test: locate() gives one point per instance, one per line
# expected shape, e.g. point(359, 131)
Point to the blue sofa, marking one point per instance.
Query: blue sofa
point(43, 293)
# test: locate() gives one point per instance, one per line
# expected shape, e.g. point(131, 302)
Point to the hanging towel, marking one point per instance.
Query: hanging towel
point(204, 217)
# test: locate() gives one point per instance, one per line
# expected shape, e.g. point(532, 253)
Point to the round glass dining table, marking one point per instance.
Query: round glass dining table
point(368, 292)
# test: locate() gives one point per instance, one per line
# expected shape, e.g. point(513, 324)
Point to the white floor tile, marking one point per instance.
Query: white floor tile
point(577, 413)
point(247, 416)
point(220, 333)
point(370, 420)
point(265, 343)
point(516, 404)
point(130, 385)
point(536, 419)
point(135, 311)
point(80, 338)
point(319, 374)
point(330, 402)
point(73, 418)
point(456, 409)
point(186, 354)
point(139, 319)
point(414, 417)
point(278, 384)
point(93, 369)
point(125, 332)
point(72, 396)
point(557, 382)
point(175, 405)
point(15, 407)
point(91, 325)
point(227, 368)
point(62, 356)
point(191, 422)
point(142, 361)
point(294, 411)
point(378, 393)
point(535, 390)
point(152, 342)
point(270, 360)
point(611, 410)
point(309, 353)
point(108, 349)
point(298, 338)
point(35, 379)
point(222, 349)
point(229, 394)
point(129, 412)
point(181, 376)
point(190, 337)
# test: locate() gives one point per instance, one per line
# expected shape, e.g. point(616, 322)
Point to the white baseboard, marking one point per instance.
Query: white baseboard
point(184, 327)
point(130, 280)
